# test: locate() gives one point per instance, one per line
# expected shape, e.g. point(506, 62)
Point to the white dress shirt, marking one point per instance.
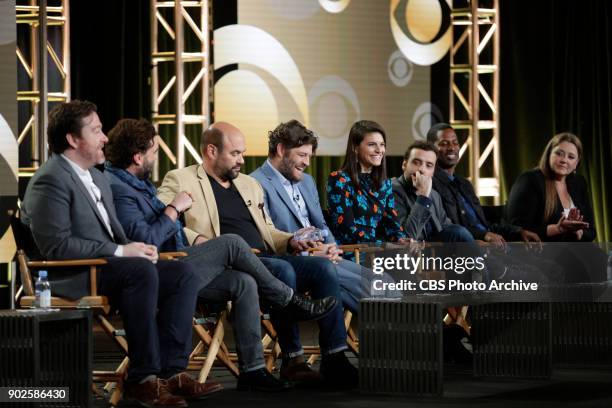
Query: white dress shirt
point(294, 194)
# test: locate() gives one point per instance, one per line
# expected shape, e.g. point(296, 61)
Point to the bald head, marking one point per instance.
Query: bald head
point(217, 134)
point(223, 145)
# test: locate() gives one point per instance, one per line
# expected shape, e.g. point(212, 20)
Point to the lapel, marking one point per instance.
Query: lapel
point(107, 201)
point(209, 199)
point(408, 189)
point(412, 197)
point(81, 187)
point(311, 205)
point(256, 209)
point(280, 190)
point(572, 183)
point(146, 198)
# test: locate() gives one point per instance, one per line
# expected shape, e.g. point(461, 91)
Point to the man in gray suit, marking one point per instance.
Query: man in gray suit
point(68, 206)
point(292, 200)
point(419, 207)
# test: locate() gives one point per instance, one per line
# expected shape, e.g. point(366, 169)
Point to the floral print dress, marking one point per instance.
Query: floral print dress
point(361, 215)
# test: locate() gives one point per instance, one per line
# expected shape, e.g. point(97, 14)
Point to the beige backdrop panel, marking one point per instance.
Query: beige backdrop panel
point(327, 69)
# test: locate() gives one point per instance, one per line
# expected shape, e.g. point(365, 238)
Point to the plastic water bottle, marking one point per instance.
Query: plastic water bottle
point(310, 234)
point(43, 291)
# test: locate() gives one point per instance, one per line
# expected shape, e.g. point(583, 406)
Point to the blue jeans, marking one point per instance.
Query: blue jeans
point(353, 283)
point(317, 276)
point(453, 233)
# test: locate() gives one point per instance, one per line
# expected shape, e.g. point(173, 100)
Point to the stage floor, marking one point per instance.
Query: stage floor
point(570, 386)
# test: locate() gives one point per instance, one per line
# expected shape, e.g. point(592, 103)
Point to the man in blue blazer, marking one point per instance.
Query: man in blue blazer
point(226, 267)
point(292, 200)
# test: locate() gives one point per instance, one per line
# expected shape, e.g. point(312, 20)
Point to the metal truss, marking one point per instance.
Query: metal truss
point(181, 34)
point(474, 89)
point(46, 28)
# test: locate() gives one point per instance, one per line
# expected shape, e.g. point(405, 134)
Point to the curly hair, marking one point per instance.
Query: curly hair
point(67, 118)
point(291, 134)
point(128, 137)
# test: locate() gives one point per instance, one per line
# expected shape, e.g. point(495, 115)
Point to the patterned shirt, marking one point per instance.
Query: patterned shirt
point(362, 215)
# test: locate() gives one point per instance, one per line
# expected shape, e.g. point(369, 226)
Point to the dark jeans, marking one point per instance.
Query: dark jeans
point(156, 302)
point(453, 233)
point(317, 276)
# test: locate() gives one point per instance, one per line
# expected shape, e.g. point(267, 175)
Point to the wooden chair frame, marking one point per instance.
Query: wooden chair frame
point(98, 304)
point(211, 333)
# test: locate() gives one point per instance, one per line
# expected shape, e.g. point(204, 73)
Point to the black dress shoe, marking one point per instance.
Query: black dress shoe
point(296, 370)
point(338, 373)
point(261, 380)
point(301, 308)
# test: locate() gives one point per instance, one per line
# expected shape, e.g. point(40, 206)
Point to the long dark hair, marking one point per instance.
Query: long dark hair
point(549, 176)
point(351, 165)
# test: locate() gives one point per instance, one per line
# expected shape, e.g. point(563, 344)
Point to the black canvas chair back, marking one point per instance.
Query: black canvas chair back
point(23, 237)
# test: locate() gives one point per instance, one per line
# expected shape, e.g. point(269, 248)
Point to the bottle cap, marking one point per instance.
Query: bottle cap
point(42, 274)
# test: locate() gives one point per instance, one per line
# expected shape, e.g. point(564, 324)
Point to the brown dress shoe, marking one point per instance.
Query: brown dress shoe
point(186, 386)
point(153, 393)
point(296, 370)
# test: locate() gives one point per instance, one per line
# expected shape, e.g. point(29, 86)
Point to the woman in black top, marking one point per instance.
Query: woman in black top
point(552, 199)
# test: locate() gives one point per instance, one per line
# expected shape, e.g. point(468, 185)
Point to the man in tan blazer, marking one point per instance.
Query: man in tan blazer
point(227, 201)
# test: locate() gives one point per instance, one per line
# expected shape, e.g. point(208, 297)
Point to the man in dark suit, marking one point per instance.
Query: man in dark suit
point(419, 207)
point(460, 200)
point(68, 207)
point(227, 268)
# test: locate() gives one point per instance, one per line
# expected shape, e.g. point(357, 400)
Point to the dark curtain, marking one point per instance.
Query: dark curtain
point(111, 63)
point(556, 75)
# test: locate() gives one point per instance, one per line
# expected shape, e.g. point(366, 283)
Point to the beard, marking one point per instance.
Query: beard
point(285, 168)
point(146, 170)
point(227, 174)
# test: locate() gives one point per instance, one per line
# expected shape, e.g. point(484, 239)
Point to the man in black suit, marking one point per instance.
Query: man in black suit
point(68, 206)
point(460, 200)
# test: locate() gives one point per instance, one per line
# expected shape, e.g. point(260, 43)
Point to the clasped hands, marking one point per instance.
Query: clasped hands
point(329, 251)
point(141, 250)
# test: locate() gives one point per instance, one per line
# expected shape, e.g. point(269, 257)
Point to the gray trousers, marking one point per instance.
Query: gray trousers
point(229, 271)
